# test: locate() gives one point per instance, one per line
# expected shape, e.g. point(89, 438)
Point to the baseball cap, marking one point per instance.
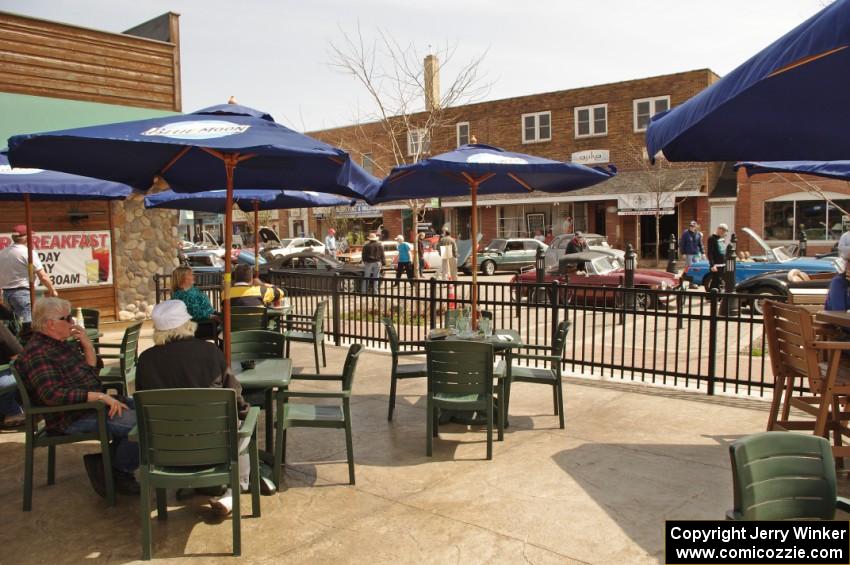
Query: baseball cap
point(693, 223)
point(169, 315)
point(19, 230)
point(723, 227)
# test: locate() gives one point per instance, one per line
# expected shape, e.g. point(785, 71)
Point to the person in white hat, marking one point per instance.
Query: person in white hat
point(373, 259)
point(405, 260)
point(180, 360)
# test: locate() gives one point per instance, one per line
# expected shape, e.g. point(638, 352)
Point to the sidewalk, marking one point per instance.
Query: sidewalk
point(599, 491)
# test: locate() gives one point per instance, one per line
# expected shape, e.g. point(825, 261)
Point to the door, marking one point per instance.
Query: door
point(514, 255)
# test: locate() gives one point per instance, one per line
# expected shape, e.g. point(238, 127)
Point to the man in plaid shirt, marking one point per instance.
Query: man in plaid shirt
point(59, 367)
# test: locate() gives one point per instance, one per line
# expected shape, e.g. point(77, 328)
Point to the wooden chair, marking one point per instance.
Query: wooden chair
point(460, 377)
point(549, 373)
point(298, 415)
point(189, 437)
point(778, 476)
point(36, 435)
point(402, 371)
point(796, 357)
point(308, 329)
point(121, 376)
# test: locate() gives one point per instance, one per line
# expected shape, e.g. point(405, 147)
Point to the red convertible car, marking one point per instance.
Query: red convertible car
point(589, 273)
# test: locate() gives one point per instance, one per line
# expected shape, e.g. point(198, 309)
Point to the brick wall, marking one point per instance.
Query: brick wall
point(392, 222)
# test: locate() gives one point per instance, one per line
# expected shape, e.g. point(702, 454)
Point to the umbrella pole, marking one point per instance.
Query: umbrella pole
point(30, 266)
point(229, 164)
point(256, 239)
point(474, 258)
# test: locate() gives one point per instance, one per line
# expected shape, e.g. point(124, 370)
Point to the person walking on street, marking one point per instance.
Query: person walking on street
point(330, 243)
point(448, 254)
point(577, 244)
point(691, 244)
point(405, 261)
point(716, 253)
point(14, 279)
point(373, 260)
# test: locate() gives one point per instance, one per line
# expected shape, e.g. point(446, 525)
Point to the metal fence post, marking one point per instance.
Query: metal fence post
point(555, 300)
point(712, 339)
point(672, 254)
point(729, 306)
point(336, 309)
point(432, 302)
point(539, 266)
point(803, 241)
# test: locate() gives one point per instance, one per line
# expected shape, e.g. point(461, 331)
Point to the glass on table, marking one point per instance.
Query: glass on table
point(486, 326)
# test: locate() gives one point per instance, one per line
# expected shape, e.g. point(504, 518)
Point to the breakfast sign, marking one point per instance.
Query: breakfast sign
point(72, 258)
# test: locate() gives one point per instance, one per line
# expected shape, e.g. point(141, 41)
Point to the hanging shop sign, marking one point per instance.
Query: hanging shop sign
point(646, 204)
point(72, 258)
point(591, 157)
point(359, 210)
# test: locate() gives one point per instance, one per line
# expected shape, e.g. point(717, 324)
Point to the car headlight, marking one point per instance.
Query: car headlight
point(665, 285)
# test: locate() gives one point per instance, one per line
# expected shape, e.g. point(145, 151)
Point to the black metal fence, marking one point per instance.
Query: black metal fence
point(699, 340)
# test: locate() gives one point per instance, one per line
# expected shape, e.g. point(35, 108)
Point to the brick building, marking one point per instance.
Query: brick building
point(592, 125)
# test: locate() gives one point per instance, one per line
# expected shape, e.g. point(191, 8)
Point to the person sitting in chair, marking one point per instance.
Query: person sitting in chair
point(247, 291)
point(179, 360)
point(199, 306)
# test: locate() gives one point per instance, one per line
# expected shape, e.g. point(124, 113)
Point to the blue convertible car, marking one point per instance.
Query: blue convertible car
point(773, 260)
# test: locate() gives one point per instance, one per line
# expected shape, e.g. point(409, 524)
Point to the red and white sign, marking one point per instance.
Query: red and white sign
point(72, 259)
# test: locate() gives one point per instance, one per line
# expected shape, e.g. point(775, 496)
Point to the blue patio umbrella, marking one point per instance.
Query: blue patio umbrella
point(787, 102)
point(188, 151)
point(482, 169)
point(830, 169)
point(37, 184)
point(214, 201)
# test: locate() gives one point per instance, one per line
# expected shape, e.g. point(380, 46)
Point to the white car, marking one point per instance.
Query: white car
point(294, 245)
point(390, 254)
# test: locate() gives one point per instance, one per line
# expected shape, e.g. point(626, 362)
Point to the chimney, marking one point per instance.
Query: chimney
point(432, 83)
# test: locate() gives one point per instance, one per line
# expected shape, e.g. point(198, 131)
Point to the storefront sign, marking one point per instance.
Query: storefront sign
point(591, 157)
point(648, 204)
point(359, 210)
point(72, 259)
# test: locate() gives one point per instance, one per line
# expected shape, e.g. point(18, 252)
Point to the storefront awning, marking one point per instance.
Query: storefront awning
point(646, 204)
point(359, 210)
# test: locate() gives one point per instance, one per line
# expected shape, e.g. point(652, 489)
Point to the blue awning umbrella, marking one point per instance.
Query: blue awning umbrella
point(188, 152)
point(788, 102)
point(830, 169)
point(37, 184)
point(482, 169)
point(214, 201)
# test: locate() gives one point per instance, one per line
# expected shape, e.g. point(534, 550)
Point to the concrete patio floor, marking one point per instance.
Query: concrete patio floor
point(599, 491)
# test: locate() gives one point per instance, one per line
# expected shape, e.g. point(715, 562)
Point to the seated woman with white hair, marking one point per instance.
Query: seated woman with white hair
point(180, 360)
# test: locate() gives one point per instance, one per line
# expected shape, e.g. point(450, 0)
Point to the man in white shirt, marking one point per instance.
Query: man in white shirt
point(13, 275)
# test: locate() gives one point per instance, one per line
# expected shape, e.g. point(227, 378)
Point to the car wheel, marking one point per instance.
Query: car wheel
point(764, 294)
point(488, 268)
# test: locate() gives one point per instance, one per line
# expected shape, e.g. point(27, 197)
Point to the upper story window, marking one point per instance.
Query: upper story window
point(536, 127)
point(368, 163)
point(645, 108)
point(418, 142)
point(591, 120)
point(462, 133)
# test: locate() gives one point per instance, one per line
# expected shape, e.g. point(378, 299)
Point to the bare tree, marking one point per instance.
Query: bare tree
point(406, 102)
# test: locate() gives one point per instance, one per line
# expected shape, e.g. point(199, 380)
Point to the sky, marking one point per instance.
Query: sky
point(275, 54)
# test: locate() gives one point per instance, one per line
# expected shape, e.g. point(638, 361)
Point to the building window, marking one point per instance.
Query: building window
point(368, 163)
point(462, 133)
point(418, 142)
point(536, 127)
point(591, 120)
point(821, 220)
point(645, 108)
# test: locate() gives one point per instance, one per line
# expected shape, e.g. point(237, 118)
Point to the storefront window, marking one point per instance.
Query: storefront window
point(822, 221)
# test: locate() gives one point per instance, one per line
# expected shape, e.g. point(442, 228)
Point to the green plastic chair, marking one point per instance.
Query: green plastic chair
point(308, 329)
point(253, 345)
point(36, 435)
point(547, 374)
point(248, 318)
point(405, 371)
point(120, 377)
point(189, 437)
point(298, 415)
point(784, 476)
point(91, 318)
point(460, 377)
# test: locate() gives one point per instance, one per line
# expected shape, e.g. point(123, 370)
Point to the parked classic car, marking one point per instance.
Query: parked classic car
point(210, 261)
point(289, 246)
point(782, 283)
point(390, 254)
point(311, 263)
point(775, 259)
point(591, 269)
point(505, 255)
point(595, 242)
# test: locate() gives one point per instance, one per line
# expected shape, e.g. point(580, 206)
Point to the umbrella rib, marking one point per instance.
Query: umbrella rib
point(521, 182)
point(805, 61)
point(174, 159)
